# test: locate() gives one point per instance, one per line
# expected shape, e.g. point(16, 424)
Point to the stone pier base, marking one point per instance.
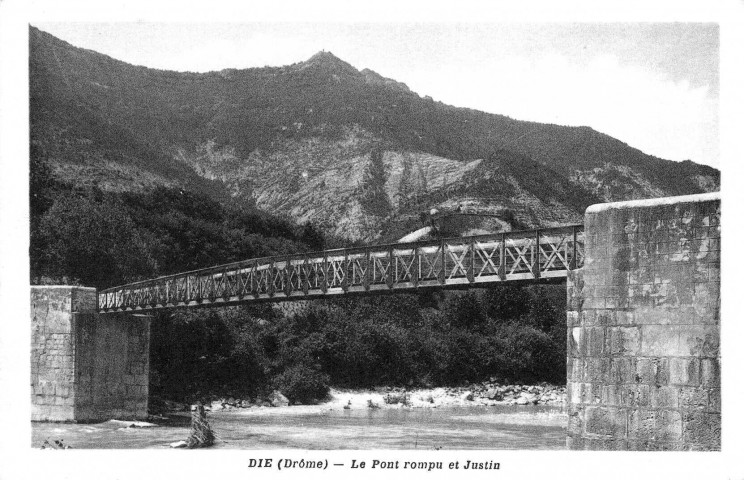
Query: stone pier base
point(84, 366)
point(644, 327)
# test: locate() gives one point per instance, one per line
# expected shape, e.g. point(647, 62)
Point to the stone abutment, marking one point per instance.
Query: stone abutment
point(644, 327)
point(84, 366)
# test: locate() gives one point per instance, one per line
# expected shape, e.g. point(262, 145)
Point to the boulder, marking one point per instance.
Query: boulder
point(526, 399)
point(277, 399)
point(467, 396)
point(494, 394)
point(179, 444)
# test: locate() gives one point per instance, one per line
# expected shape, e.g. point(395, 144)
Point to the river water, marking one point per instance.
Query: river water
point(450, 428)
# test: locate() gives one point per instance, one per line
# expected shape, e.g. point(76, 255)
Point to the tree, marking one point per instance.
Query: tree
point(312, 237)
point(423, 180)
point(405, 188)
point(373, 197)
point(41, 182)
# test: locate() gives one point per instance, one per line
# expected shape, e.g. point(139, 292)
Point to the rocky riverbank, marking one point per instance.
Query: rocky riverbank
point(486, 394)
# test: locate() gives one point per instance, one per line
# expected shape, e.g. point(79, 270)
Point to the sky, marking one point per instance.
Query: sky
point(654, 86)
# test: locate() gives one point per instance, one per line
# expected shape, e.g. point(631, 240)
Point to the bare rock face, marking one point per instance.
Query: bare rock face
point(322, 181)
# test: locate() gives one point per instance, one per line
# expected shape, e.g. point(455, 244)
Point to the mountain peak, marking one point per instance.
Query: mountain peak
point(329, 61)
point(323, 56)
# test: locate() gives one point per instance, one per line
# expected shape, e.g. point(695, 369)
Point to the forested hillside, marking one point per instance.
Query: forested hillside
point(88, 236)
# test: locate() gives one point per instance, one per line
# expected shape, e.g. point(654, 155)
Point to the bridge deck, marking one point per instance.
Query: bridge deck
point(452, 262)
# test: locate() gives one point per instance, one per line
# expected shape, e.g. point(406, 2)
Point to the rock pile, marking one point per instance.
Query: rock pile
point(486, 393)
point(519, 394)
point(275, 399)
point(489, 393)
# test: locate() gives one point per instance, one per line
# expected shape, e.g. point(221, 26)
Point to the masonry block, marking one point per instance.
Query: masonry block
point(652, 371)
point(693, 398)
point(684, 371)
point(642, 425)
point(622, 370)
point(637, 395)
point(660, 340)
point(625, 340)
point(702, 429)
point(605, 421)
point(664, 397)
point(597, 370)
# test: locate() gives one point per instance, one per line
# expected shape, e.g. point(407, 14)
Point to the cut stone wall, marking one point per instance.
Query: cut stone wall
point(643, 327)
point(86, 366)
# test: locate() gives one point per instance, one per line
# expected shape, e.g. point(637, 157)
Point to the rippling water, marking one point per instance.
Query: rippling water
point(450, 428)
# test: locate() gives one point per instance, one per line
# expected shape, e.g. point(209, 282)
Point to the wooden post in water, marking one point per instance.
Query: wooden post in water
point(201, 433)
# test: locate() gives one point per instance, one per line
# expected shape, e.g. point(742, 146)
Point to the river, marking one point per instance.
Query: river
point(312, 427)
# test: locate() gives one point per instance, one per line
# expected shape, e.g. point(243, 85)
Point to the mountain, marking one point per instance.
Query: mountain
point(319, 141)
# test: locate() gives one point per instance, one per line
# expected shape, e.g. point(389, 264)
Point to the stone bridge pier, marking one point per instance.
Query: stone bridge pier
point(644, 328)
point(86, 367)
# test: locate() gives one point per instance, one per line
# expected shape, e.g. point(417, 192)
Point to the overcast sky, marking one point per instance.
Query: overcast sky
point(654, 86)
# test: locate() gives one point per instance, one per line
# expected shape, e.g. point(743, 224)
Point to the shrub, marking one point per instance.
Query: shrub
point(300, 383)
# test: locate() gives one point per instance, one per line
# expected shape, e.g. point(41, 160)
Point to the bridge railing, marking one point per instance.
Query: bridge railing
point(509, 256)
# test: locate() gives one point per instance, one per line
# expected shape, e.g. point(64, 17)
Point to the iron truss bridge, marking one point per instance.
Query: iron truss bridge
point(449, 263)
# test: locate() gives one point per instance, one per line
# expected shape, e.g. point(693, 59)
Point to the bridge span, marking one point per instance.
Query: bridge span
point(448, 263)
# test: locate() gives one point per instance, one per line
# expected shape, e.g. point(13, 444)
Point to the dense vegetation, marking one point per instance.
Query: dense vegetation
point(100, 239)
point(96, 238)
point(515, 334)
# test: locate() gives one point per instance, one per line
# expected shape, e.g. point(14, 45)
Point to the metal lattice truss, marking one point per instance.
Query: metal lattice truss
point(512, 256)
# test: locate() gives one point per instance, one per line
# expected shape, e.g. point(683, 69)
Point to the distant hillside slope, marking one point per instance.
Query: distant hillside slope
point(297, 140)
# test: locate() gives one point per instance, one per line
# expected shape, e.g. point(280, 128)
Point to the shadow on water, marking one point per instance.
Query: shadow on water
point(492, 428)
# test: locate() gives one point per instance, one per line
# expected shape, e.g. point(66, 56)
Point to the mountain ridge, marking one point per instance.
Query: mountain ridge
point(296, 140)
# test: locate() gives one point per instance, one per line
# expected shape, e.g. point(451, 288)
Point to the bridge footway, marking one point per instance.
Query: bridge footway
point(644, 328)
point(86, 366)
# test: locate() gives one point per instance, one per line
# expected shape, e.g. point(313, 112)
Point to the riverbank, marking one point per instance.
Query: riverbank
point(483, 394)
